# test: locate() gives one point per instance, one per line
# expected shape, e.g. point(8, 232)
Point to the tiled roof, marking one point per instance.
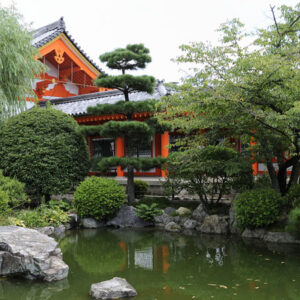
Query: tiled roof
point(49, 32)
point(77, 105)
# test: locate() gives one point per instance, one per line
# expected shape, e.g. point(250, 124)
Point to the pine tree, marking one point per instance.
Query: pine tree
point(135, 133)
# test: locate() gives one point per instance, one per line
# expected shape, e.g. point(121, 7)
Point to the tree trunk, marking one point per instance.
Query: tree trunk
point(273, 176)
point(130, 184)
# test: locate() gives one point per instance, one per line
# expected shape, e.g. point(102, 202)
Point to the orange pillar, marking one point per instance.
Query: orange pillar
point(164, 148)
point(120, 153)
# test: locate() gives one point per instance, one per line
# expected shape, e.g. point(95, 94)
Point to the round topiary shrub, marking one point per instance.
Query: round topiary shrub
point(140, 188)
point(42, 148)
point(257, 208)
point(98, 198)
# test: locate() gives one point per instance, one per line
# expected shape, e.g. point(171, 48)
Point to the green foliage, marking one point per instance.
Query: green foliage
point(63, 205)
point(98, 198)
point(210, 172)
point(148, 212)
point(249, 89)
point(18, 68)
point(4, 200)
point(41, 148)
point(262, 181)
point(143, 163)
point(258, 208)
point(294, 222)
point(140, 188)
point(123, 107)
point(15, 190)
point(43, 216)
point(132, 57)
point(292, 198)
point(128, 83)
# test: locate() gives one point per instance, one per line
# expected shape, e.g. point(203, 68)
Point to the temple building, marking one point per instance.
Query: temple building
point(68, 85)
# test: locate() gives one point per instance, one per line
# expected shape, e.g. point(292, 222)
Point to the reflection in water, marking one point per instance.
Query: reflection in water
point(167, 266)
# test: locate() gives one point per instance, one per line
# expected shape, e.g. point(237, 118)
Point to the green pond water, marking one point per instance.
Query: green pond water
point(167, 266)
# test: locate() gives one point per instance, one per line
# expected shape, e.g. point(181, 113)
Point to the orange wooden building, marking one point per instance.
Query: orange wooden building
point(68, 85)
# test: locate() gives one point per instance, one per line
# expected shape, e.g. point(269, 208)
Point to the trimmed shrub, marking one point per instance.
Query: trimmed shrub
point(258, 208)
point(294, 222)
point(98, 198)
point(140, 188)
point(4, 199)
point(292, 198)
point(17, 197)
point(147, 212)
point(42, 148)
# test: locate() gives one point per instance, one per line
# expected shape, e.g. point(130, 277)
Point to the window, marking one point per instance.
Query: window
point(103, 147)
point(139, 150)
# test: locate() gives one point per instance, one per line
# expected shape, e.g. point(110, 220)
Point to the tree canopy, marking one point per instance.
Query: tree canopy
point(246, 90)
point(18, 66)
point(132, 57)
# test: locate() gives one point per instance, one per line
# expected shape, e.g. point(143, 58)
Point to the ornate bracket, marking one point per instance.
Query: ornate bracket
point(59, 56)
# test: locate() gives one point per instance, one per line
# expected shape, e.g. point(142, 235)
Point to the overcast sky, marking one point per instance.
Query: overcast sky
point(99, 26)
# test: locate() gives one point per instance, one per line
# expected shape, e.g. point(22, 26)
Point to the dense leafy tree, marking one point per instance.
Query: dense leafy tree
point(41, 148)
point(18, 66)
point(135, 133)
point(247, 90)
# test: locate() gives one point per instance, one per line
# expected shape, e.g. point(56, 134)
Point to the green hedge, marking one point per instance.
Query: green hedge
point(42, 148)
point(140, 188)
point(98, 198)
point(258, 208)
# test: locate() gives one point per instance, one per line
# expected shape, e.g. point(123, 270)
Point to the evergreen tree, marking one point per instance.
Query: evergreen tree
point(135, 133)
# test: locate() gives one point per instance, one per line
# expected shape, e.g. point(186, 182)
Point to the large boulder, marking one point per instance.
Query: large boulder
point(112, 289)
point(199, 213)
point(280, 237)
point(91, 223)
point(214, 224)
point(169, 210)
point(127, 217)
point(254, 233)
point(172, 227)
point(190, 224)
point(183, 211)
point(162, 219)
point(31, 254)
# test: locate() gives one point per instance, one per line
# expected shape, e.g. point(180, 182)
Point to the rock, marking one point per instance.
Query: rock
point(112, 289)
point(173, 227)
point(190, 224)
point(91, 223)
point(280, 237)
point(127, 217)
point(199, 213)
point(256, 233)
point(233, 224)
point(214, 224)
point(169, 210)
point(182, 211)
point(162, 219)
point(182, 220)
point(73, 220)
point(59, 230)
point(48, 230)
point(30, 253)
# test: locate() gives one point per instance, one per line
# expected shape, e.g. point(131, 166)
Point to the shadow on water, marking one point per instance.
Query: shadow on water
point(166, 266)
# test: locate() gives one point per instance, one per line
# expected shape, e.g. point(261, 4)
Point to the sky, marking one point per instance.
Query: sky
point(100, 26)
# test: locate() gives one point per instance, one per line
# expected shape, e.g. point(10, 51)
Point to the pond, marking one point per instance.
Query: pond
point(166, 266)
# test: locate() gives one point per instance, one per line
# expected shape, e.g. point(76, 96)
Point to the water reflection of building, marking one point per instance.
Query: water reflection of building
point(154, 257)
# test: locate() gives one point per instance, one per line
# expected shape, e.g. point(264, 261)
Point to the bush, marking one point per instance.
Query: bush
point(42, 148)
point(43, 216)
point(294, 222)
point(98, 197)
point(17, 197)
point(147, 212)
point(140, 188)
point(262, 182)
point(258, 208)
point(292, 198)
point(4, 199)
